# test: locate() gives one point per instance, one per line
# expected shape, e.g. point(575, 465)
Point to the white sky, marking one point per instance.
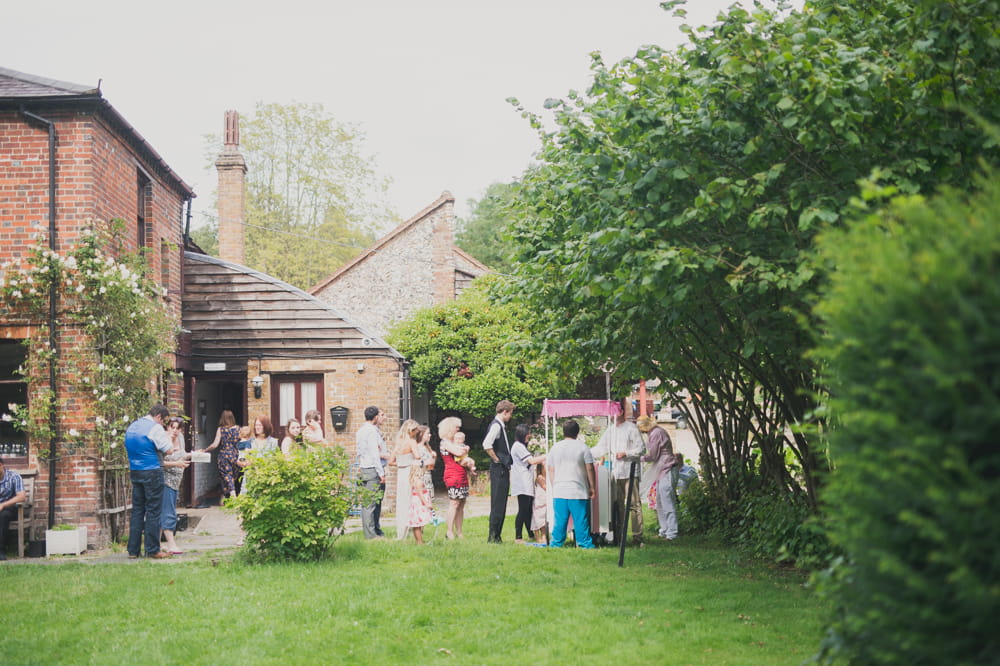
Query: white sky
point(426, 80)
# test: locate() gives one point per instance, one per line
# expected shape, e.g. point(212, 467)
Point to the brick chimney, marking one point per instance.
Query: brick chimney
point(443, 250)
point(232, 169)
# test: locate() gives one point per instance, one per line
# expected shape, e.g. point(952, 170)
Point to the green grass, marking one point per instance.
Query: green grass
point(688, 602)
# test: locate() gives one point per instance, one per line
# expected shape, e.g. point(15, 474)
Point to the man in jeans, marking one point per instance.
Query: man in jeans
point(370, 446)
point(143, 439)
point(573, 482)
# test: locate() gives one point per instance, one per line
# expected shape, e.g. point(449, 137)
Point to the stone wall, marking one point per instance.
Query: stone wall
point(410, 268)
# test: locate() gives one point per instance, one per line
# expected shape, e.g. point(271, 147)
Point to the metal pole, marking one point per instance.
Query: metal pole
point(625, 511)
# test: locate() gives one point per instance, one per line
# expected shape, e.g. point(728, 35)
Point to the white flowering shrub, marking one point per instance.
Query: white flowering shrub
point(128, 332)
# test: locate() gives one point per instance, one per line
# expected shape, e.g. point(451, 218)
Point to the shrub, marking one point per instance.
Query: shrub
point(766, 522)
point(911, 343)
point(294, 509)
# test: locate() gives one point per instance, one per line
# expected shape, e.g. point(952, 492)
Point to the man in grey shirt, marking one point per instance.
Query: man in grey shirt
point(370, 446)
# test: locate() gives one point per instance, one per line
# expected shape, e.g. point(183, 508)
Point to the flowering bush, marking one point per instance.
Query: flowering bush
point(128, 331)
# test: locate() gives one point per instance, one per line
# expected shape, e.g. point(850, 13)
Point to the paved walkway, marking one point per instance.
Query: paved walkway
point(217, 531)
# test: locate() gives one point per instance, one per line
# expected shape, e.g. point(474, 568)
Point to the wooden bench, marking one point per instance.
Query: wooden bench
point(24, 513)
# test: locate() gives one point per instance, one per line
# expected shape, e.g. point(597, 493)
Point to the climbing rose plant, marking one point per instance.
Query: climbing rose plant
point(128, 332)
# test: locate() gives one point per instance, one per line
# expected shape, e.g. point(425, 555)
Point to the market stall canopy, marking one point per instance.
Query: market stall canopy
point(565, 408)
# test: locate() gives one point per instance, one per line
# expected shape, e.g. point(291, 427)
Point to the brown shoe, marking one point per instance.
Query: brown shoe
point(159, 555)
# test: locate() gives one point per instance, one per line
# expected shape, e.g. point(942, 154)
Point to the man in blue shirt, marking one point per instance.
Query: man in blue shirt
point(143, 439)
point(11, 493)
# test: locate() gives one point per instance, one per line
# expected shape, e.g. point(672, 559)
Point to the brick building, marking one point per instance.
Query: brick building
point(249, 342)
point(414, 266)
point(241, 325)
point(68, 157)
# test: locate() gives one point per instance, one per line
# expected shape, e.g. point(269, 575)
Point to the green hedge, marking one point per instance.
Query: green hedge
point(911, 343)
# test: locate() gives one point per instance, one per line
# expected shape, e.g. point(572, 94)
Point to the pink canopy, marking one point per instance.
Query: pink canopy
point(560, 408)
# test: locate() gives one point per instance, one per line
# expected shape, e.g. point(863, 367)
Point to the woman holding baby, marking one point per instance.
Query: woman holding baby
point(456, 476)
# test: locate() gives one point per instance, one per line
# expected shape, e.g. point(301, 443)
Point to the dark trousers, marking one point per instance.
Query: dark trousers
point(378, 511)
point(147, 499)
point(7, 516)
point(499, 490)
point(525, 507)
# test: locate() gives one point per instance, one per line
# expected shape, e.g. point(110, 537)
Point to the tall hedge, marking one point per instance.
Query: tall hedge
point(911, 348)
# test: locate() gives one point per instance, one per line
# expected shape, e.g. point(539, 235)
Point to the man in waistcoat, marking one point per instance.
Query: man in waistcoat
point(497, 447)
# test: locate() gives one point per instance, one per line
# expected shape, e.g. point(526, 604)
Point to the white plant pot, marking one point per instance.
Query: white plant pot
point(66, 542)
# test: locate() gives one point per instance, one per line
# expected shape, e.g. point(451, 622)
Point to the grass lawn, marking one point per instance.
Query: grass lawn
point(688, 602)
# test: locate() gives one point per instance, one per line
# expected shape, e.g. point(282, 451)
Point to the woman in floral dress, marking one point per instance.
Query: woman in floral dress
point(226, 439)
point(420, 504)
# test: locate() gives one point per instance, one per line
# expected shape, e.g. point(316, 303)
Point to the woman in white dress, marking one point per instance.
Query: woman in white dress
point(403, 455)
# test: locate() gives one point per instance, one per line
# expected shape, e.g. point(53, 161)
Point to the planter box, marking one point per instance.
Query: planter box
point(66, 542)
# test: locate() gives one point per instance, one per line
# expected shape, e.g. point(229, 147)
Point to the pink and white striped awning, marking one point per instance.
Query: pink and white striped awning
point(563, 408)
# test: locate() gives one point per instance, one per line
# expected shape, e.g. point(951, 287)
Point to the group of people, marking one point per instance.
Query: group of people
point(157, 459)
point(573, 479)
point(234, 443)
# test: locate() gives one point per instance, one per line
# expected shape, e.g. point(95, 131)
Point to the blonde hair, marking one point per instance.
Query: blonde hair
point(449, 424)
point(406, 430)
point(246, 432)
point(416, 473)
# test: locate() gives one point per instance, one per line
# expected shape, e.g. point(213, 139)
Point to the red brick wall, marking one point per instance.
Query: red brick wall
point(97, 178)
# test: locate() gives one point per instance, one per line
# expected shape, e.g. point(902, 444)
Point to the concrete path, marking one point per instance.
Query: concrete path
point(216, 531)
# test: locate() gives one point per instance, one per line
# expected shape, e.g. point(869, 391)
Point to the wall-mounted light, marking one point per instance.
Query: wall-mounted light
point(361, 367)
point(258, 384)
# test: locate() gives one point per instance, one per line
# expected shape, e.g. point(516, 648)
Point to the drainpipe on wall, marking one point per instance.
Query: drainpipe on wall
point(187, 224)
point(405, 396)
point(53, 296)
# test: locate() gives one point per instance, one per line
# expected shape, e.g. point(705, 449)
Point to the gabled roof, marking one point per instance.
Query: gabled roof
point(468, 258)
point(446, 197)
point(236, 312)
point(18, 90)
point(19, 84)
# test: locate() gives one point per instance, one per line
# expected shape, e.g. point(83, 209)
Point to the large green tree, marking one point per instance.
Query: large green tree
point(669, 226)
point(482, 233)
point(313, 198)
point(470, 353)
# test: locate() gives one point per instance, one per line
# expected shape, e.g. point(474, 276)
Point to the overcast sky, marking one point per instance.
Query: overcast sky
point(426, 80)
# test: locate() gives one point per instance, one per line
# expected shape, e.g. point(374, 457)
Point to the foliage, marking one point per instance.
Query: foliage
point(764, 523)
point(129, 331)
point(669, 226)
point(911, 349)
point(488, 337)
point(483, 234)
point(207, 238)
point(692, 601)
point(294, 509)
point(313, 199)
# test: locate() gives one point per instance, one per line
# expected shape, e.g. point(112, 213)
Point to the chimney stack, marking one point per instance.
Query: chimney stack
point(232, 170)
